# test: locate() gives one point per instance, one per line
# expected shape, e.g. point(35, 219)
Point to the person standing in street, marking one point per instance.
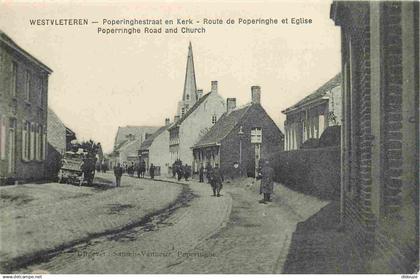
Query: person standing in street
point(152, 171)
point(201, 173)
point(187, 172)
point(180, 171)
point(267, 182)
point(118, 171)
point(209, 171)
point(217, 181)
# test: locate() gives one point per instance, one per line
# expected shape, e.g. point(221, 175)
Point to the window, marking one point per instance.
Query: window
point(26, 131)
point(13, 80)
point(12, 147)
point(44, 142)
point(2, 138)
point(41, 92)
point(214, 119)
point(182, 112)
point(256, 135)
point(27, 86)
point(32, 142)
point(188, 97)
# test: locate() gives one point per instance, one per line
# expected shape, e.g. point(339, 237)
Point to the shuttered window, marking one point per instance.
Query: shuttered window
point(44, 143)
point(2, 138)
point(32, 142)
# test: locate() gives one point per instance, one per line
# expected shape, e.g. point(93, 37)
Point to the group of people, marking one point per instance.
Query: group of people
point(140, 168)
point(214, 176)
point(181, 171)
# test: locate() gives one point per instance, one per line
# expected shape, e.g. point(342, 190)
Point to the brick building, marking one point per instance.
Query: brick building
point(239, 139)
point(309, 117)
point(23, 113)
point(380, 143)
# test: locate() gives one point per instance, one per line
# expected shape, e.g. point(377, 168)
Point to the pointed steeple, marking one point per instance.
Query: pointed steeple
point(190, 85)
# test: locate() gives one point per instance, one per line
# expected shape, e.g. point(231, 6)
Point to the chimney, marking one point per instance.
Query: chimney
point(230, 104)
point(199, 94)
point(167, 121)
point(214, 86)
point(176, 118)
point(256, 94)
point(147, 135)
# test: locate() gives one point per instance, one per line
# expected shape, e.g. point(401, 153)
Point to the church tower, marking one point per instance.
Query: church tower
point(189, 96)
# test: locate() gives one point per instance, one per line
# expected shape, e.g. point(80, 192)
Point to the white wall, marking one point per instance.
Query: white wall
point(159, 152)
point(200, 119)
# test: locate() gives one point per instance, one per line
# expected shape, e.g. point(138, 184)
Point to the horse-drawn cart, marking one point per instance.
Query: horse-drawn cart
point(76, 168)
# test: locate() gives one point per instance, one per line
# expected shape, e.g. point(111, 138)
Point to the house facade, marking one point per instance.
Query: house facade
point(309, 118)
point(127, 143)
point(187, 130)
point(23, 113)
point(380, 142)
point(195, 115)
point(155, 149)
point(239, 139)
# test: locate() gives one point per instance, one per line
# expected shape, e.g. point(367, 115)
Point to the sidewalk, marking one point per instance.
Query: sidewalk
point(319, 247)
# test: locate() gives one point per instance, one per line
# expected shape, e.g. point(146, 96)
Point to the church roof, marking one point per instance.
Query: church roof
point(191, 110)
point(223, 127)
point(190, 84)
point(318, 94)
point(149, 141)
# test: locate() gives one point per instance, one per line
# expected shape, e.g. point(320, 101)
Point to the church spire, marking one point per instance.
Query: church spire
point(190, 86)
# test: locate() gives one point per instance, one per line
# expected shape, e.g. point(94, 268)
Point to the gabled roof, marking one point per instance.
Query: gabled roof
point(318, 94)
point(223, 127)
point(191, 110)
point(148, 142)
point(9, 42)
point(137, 131)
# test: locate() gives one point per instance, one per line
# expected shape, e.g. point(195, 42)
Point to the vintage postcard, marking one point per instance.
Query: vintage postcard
point(209, 137)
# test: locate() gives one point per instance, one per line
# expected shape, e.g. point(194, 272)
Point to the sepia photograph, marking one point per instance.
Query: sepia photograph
point(209, 137)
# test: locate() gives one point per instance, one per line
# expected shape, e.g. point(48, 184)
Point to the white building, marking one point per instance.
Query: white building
point(196, 114)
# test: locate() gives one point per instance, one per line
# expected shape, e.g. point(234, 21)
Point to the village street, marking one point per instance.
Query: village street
point(164, 228)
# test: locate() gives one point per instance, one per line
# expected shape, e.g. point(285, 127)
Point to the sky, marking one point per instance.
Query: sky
point(100, 82)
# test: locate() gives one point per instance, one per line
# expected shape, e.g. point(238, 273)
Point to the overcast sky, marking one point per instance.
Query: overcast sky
point(100, 82)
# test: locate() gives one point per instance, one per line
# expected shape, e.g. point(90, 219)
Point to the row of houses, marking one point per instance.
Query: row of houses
point(32, 137)
point(208, 130)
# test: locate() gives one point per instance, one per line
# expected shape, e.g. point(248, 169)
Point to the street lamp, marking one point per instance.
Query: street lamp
point(240, 134)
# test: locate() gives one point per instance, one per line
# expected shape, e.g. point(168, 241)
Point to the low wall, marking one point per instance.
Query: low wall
point(311, 171)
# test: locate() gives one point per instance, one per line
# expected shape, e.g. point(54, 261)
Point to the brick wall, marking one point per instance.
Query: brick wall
point(272, 142)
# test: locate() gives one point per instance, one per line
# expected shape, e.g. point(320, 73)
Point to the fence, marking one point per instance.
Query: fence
point(311, 171)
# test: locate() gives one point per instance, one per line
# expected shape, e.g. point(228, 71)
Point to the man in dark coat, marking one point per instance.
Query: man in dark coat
point(201, 173)
point(174, 167)
point(152, 171)
point(118, 171)
point(142, 168)
point(180, 171)
point(187, 172)
point(217, 180)
point(267, 182)
point(209, 171)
